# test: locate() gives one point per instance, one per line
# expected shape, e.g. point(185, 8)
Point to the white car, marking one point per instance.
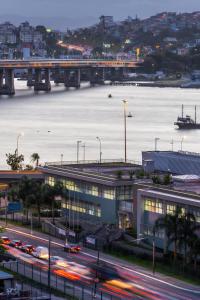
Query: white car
point(58, 261)
point(41, 252)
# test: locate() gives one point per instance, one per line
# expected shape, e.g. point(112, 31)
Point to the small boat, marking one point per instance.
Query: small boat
point(187, 122)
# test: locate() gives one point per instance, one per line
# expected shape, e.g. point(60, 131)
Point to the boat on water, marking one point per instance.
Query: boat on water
point(187, 122)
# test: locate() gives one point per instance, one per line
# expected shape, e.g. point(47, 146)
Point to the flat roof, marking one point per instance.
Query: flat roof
point(104, 173)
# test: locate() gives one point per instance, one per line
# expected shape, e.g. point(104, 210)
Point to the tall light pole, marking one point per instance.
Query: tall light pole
point(156, 142)
point(18, 137)
point(125, 102)
point(84, 146)
point(100, 149)
point(61, 159)
point(77, 150)
point(172, 143)
point(183, 138)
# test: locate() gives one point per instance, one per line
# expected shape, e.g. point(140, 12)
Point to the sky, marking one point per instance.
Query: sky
point(62, 14)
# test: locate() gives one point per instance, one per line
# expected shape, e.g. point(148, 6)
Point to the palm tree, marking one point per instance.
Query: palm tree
point(194, 246)
point(35, 158)
point(171, 224)
point(187, 232)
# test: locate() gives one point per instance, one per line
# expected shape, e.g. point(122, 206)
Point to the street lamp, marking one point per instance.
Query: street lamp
point(183, 138)
point(153, 248)
point(100, 149)
point(172, 143)
point(125, 102)
point(84, 146)
point(77, 150)
point(156, 142)
point(18, 137)
point(61, 159)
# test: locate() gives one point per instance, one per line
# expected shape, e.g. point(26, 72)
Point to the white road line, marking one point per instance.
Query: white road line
point(111, 263)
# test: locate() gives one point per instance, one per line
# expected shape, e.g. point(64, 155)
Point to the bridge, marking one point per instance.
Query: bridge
point(68, 72)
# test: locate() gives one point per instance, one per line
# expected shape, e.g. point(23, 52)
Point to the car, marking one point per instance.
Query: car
point(15, 243)
point(41, 252)
point(72, 248)
point(27, 248)
point(5, 240)
point(58, 261)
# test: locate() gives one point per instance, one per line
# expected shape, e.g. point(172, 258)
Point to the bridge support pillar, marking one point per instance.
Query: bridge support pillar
point(39, 84)
point(72, 78)
point(7, 88)
point(117, 74)
point(97, 76)
point(30, 80)
point(58, 76)
point(1, 79)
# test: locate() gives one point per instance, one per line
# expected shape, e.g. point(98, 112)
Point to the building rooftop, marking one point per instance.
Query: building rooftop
point(107, 172)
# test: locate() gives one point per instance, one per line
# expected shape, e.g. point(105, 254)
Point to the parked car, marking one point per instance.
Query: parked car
point(72, 248)
point(5, 240)
point(41, 252)
point(16, 243)
point(27, 248)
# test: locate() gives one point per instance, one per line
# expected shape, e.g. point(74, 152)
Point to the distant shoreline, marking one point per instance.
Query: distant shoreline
point(160, 84)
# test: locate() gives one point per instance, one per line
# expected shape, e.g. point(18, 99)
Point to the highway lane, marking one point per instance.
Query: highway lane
point(137, 282)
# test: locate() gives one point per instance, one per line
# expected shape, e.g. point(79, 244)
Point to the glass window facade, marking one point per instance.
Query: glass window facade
point(153, 205)
point(124, 193)
point(109, 194)
point(50, 180)
point(83, 207)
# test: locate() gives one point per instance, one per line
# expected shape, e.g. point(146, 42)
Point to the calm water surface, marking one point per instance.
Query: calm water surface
point(53, 122)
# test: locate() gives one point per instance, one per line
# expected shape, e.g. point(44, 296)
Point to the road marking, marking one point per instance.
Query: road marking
point(110, 262)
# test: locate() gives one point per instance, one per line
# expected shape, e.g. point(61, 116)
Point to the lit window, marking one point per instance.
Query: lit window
point(51, 181)
point(153, 206)
point(109, 194)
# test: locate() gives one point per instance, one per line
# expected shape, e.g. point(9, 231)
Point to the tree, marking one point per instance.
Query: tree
point(187, 232)
point(35, 158)
point(26, 194)
point(15, 160)
point(171, 223)
point(50, 193)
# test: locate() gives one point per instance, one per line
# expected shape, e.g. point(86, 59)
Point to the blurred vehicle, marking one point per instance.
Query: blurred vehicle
point(15, 243)
point(58, 261)
point(41, 252)
point(104, 271)
point(27, 248)
point(5, 240)
point(72, 248)
point(77, 268)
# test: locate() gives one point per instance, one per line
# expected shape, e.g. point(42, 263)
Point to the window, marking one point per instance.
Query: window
point(109, 194)
point(126, 206)
point(69, 185)
point(124, 193)
point(50, 181)
point(83, 207)
point(91, 190)
point(153, 206)
point(171, 208)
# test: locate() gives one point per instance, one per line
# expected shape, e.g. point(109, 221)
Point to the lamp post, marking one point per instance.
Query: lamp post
point(18, 137)
point(61, 159)
point(156, 142)
point(172, 143)
point(77, 150)
point(100, 149)
point(125, 102)
point(183, 138)
point(84, 146)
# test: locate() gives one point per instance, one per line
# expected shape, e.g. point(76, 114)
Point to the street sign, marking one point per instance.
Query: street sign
point(14, 207)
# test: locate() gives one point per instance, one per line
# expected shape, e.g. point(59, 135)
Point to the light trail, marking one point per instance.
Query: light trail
point(110, 262)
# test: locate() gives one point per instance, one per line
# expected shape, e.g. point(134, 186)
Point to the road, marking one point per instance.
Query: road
point(133, 283)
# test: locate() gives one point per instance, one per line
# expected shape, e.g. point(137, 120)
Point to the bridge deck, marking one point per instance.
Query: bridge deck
point(57, 63)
